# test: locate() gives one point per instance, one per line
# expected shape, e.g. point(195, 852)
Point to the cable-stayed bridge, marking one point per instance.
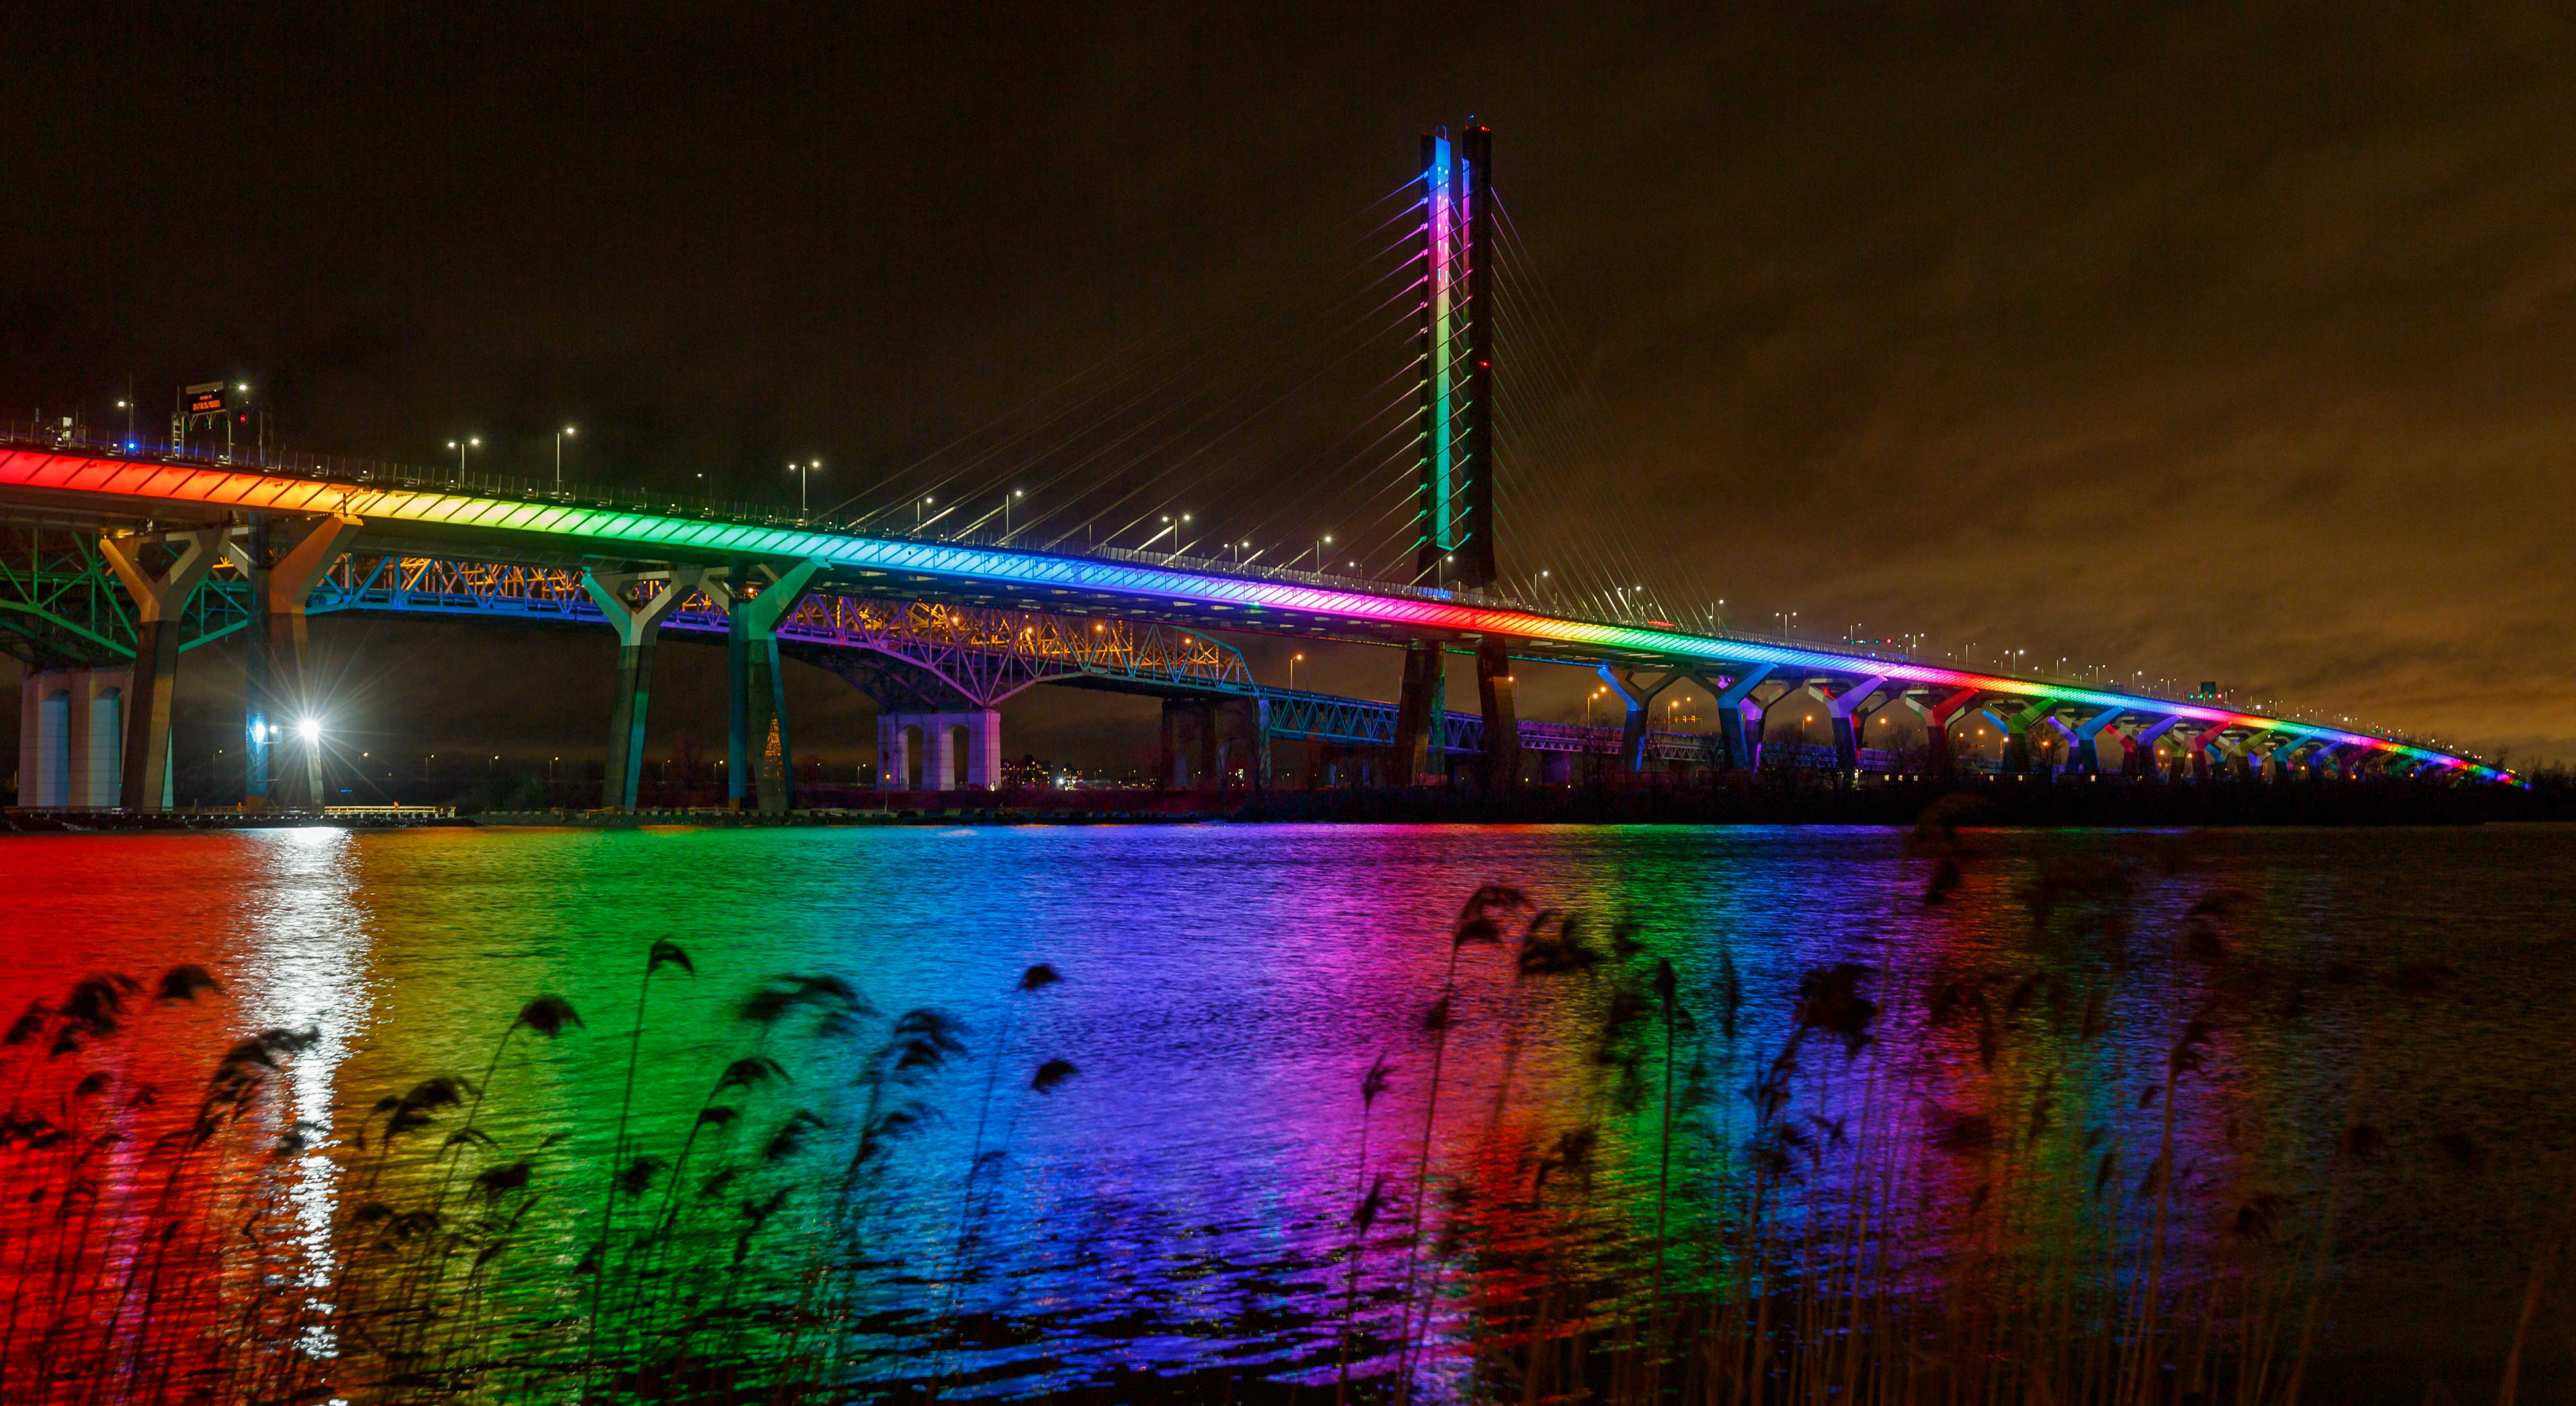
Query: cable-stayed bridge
point(1057, 544)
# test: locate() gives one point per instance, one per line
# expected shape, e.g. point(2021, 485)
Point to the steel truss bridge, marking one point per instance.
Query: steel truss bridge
point(64, 604)
point(974, 622)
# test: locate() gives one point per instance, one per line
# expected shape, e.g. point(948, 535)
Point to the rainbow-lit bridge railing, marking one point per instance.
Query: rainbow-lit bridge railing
point(1194, 596)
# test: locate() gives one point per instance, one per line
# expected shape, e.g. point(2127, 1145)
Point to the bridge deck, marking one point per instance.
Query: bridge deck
point(76, 483)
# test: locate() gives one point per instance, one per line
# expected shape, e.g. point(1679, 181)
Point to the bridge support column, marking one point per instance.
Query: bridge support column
point(1498, 692)
point(2198, 745)
point(1839, 708)
point(1211, 773)
point(637, 626)
point(1735, 707)
point(257, 718)
point(1421, 717)
point(1936, 729)
point(1247, 735)
point(143, 781)
point(759, 766)
point(2274, 758)
point(1640, 698)
point(1167, 755)
point(894, 751)
point(2320, 764)
point(2016, 731)
point(2140, 759)
point(939, 753)
point(983, 747)
point(2084, 740)
point(71, 737)
point(2242, 761)
point(273, 691)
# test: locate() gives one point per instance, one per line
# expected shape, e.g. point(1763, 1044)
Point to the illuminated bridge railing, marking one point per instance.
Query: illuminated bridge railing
point(149, 485)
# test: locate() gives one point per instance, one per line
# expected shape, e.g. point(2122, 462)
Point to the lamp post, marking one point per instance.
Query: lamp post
point(460, 446)
point(1015, 495)
point(803, 473)
point(310, 729)
point(128, 407)
point(1320, 544)
point(559, 439)
point(1293, 661)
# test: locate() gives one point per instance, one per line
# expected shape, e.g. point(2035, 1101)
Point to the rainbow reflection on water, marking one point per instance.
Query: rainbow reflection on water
point(1178, 1207)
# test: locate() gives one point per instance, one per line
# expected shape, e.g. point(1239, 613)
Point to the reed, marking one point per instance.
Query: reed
point(1984, 1176)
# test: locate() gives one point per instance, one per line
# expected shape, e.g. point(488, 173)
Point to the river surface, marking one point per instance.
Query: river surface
point(1170, 1141)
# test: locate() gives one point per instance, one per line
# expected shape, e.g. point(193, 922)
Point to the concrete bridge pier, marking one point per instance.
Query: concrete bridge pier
point(274, 695)
point(1839, 708)
point(1420, 705)
point(2084, 740)
point(71, 737)
point(1936, 728)
point(2244, 764)
point(1640, 698)
point(1735, 708)
point(160, 596)
point(2272, 761)
point(759, 771)
point(2198, 745)
point(1244, 735)
point(638, 625)
point(2321, 764)
point(1498, 693)
point(2138, 749)
point(940, 736)
point(2016, 731)
point(1197, 717)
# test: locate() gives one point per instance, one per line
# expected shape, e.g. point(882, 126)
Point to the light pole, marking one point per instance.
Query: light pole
point(1016, 494)
point(1293, 661)
point(310, 729)
point(460, 446)
point(128, 407)
point(559, 439)
point(803, 472)
point(1320, 544)
point(924, 502)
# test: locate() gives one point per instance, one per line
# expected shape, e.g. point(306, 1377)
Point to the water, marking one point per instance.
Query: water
point(1178, 1205)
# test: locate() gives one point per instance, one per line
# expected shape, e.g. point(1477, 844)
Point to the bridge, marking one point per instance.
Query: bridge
point(120, 558)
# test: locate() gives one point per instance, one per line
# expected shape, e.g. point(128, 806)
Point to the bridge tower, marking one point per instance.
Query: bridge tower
point(1454, 540)
point(1454, 513)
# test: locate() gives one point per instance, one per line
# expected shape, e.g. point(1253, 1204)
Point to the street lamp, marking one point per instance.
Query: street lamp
point(1015, 495)
point(128, 407)
point(1320, 544)
point(460, 446)
point(803, 472)
point(1293, 661)
point(310, 729)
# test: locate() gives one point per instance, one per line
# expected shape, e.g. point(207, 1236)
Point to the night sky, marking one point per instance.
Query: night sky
point(2223, 343)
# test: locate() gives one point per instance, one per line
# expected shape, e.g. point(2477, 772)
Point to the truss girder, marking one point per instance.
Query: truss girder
point(975, 656)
